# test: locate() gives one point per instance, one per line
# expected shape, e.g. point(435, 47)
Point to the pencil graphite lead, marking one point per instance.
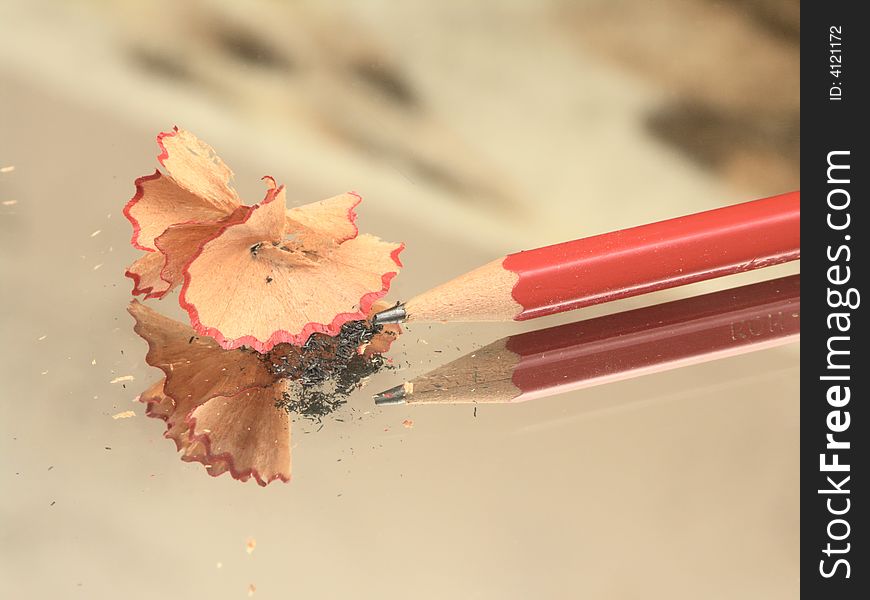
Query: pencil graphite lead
point(395, 314)
point(394, 395)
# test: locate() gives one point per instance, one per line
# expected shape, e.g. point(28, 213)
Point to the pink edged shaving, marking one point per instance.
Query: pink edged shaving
point(160, 202)
point(180, 243)
point(195, 167)
point(157, 404)
point(330, 221)
point(161, 406)
point(197, 371)
point(196, 368)
point(247, 433)
point(192, 198)
point(145, 273)
point(225, 408)
point(274, 278)
point(196, 451)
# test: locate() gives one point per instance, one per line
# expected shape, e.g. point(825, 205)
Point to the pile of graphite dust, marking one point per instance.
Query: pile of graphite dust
point(326, 369)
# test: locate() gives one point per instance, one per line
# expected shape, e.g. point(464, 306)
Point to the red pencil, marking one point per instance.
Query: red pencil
point(614, 347)
point(606, 267)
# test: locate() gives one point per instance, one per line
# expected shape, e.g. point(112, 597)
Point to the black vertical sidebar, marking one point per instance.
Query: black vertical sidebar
point(835, 562)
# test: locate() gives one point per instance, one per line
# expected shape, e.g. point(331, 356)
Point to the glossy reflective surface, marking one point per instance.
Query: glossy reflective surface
point(470, 132)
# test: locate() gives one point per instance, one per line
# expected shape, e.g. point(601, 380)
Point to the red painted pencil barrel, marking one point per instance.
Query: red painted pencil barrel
point(657, 256)
point(656, 338)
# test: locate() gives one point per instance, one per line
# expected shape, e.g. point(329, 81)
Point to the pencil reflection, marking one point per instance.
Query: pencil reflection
point(614, 347)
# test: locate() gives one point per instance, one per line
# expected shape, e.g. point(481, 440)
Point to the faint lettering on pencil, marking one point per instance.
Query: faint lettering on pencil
point(758, 326)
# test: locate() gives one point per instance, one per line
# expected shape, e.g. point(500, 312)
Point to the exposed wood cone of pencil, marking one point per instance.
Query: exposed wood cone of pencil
point(614, 347)
point(534, 283)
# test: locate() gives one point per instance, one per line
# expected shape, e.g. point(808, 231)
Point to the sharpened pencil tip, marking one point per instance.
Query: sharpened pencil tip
point(394, 395)
point(395, 314)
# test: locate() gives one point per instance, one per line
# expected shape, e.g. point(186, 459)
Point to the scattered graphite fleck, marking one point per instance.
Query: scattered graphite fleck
point(325, 370)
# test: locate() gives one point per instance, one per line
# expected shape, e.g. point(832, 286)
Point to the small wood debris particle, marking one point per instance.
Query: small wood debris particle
point(124, 414)
point(7, 169)
point(122, 378)
point(422, 341)
point(250, 545)
point(53, 502)
point(45, 372)
point(408, 423)
point(96, 233)
point(40, 338)
point(251, 590)
point(98, 266)
point(10, 202)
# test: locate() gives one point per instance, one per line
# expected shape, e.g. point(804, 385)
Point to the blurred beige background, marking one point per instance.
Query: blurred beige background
point(471, 129)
